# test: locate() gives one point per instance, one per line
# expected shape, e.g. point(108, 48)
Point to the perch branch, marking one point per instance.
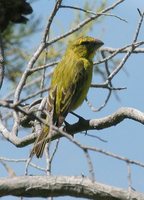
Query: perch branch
point(47, 186)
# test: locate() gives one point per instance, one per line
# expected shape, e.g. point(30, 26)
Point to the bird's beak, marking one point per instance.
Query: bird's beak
point(99, 42)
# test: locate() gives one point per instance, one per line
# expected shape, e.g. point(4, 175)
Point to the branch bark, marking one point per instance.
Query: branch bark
point(106, 122)
point(46, 186)
point(81, 125)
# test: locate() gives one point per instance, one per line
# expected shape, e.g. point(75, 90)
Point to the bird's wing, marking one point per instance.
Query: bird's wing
point(71, 91)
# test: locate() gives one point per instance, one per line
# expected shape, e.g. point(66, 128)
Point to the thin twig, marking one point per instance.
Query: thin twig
point(84, 147)
point(33, 95)
point(46, 37)
point(95, 136)
point(124, 49)
point(90, 165)
point(50, 157)
point(47, 156)
point(117, 69)
point(86, 21)
point(28, 85)
point(93, 13)
point(102, 105)
point(35, 56)
point(129, 176)
point(17, 108)
point(42, 83)
point(21, 161)
point(138, 28)
point(47, 30)
point(55, 150)
point(44, 66)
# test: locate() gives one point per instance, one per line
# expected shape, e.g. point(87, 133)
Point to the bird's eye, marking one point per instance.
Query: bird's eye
point(85, 43)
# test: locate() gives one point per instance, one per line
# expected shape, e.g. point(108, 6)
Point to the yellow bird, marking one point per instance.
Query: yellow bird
point(69, 85)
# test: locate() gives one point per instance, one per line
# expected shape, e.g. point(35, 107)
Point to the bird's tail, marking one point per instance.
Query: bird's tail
point(40, 143)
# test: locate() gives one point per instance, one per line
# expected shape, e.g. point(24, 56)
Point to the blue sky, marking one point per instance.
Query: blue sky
point(126, 139)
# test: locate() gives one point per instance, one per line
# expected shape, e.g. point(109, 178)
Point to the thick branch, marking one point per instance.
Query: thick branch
point(81, 125)
point(108, 121)
point(46, 186)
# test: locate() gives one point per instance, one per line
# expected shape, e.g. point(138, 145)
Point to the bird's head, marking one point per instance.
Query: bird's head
point(85, 46)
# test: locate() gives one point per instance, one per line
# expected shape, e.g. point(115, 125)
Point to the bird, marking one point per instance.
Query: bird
point(70, 83)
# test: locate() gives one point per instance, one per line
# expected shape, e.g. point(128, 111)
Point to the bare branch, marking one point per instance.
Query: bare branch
point(36, 54)
point(102, 105)
point(129, 177)
point(43, 66)
point(86, 21)
point(81, 125)
point(118, 68)
point(122, 50)
point(47, 186)
point(90, 165)
point(108, 121)
point(9, 170)
point(56, 8)
point(95, 149)
point(91, 12)
point(21, 161)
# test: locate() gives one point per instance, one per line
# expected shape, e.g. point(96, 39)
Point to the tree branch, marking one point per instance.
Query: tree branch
point(106, 122)
point(46, 186)
point(84, 22)
point(81, 125)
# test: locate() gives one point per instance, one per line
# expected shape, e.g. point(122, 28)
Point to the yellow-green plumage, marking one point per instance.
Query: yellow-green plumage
point(69, 85)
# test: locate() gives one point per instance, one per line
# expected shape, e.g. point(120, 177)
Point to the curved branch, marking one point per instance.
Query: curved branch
point(106, 122)
point(81, 125)
point(47, 186)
